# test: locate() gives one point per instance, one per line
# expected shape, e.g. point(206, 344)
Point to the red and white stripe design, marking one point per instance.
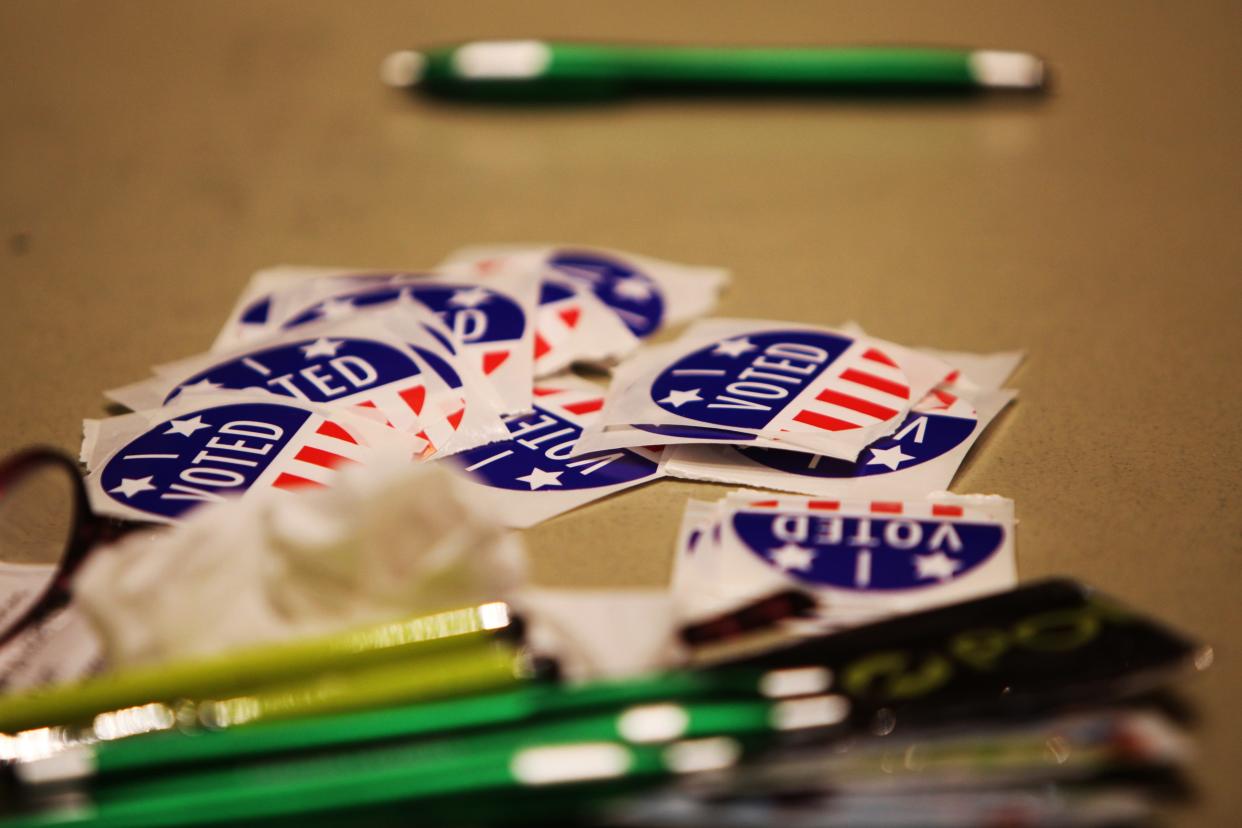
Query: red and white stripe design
point(941, 401)
point(401, 405)
point(866, 388)
point(432, 416)
point(555, 325)
point(915, 509)
point(578, 405)
point(581, 402)
point(441, 418)
point(490, 360)
point(311, 460)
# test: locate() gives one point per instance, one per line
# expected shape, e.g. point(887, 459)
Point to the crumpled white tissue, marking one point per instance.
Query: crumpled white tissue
point(381, 543)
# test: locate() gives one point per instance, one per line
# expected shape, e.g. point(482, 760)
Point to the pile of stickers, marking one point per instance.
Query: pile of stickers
point(319, 369)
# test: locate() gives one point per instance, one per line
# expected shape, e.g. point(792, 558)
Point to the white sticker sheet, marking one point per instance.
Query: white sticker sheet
point(59, 648)
point(63, 648)
point(387, 362)
point(804, 387)
point(492, 324)
point(863, 560)
point(21, 585)
point(647, 294)
point(535, 474)
point(159, 464)
point(919, 457)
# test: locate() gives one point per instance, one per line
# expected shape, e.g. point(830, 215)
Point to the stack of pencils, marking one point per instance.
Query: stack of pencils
point(1047, 705)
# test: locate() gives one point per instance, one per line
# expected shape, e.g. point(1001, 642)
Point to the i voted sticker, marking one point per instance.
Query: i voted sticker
point(266, 298)
point(633, 295)
point(324, 369)
point(346, 370)
point(873, 552)
point(358, 362)
point(806, 389)
point(159, 465)
point(644, 293)
point(862, 560)
point(490, 325)
point(871, 557)
point(746, 382)
point(534, 474)
point(925, 435)
point(920, 457)
point(474, 314)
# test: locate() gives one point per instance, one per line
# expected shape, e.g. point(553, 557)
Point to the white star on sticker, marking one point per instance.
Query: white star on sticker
point(322, 347)
point(201, 386)
point(538, 478)
point(186, 427)
point(131, 486)
point(335, 309)
point(938, 565)
point(890, 457)
point(469, 298)
point(733, 347)
point(676, 398)
point(632, 288)
point(791, 556)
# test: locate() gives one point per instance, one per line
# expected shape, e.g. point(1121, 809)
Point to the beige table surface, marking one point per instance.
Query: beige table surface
point(153, 154)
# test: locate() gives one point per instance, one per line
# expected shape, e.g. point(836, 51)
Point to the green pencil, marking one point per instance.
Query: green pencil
point(536, 70)
point(578, 749)
point(174, 749)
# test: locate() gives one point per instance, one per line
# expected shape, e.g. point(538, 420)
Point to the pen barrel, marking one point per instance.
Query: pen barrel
point(740, 69)
point(535, 70)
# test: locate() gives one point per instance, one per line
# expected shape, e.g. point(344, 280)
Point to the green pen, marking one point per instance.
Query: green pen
point(534, 70)
point(632, 742)
point(174, 749)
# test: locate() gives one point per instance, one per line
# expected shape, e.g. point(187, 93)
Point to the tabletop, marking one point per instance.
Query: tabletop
point(155, 154)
